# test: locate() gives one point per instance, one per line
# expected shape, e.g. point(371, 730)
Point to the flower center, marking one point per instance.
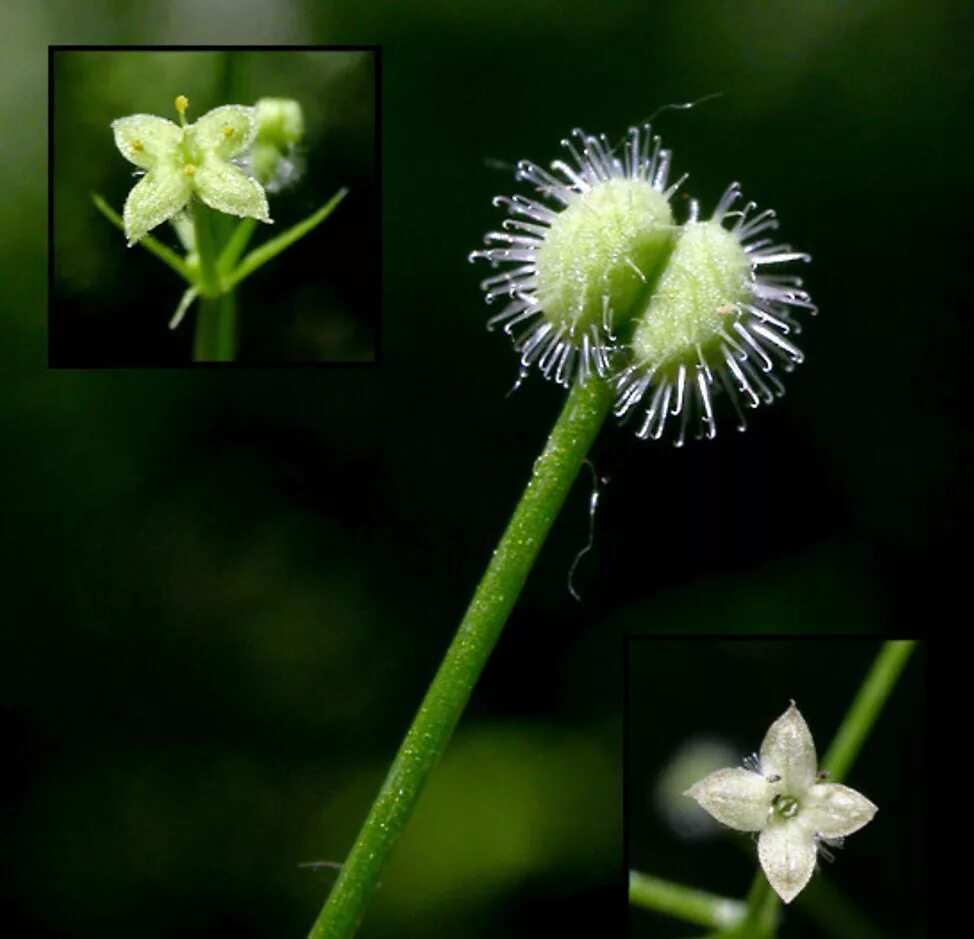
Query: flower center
point(696, 296)
point(785, 806)
point(601, 251)
point(190, 152)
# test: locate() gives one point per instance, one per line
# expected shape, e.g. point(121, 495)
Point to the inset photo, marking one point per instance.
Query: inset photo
point(214, 206)
point(775, 788)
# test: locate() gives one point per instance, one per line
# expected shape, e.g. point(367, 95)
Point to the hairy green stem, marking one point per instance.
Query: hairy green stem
point(686, 903)
point(586, 407)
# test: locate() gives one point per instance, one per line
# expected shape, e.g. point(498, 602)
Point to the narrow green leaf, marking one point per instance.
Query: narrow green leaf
point(184, 304)
point(236, 245)
point(694, 906)
point(270, 249)
point(152, 245)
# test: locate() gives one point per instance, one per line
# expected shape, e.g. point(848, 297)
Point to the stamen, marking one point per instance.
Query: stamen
point(181, 103)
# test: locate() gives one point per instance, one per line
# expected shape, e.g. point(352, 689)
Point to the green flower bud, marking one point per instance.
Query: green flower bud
point(280, 122)
point(280, 127)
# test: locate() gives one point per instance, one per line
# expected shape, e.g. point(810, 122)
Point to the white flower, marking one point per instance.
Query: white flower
point(193, 159)
point(782, 795)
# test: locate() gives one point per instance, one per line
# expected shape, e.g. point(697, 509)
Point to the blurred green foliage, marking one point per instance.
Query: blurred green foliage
point(225, 592)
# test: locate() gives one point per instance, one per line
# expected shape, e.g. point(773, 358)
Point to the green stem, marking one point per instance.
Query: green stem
point(205, 250)
point(762, 910)
point(236, 245)
point(866, 707)
point(686, 903)
point(227, 328)
point(586, 407)
point(836, 914)
point(215, 339)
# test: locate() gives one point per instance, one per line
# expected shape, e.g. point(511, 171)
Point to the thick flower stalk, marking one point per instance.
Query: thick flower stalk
point(183, 161)
point(782, 795)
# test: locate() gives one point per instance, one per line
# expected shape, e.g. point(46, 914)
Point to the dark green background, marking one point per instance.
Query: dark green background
point(226, 592)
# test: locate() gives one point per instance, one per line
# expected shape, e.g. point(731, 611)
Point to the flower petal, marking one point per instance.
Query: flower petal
point(159, 195)
point(736, 797)
point(225, 131)
point(144, 138)
point(787, 852)
point(834, 811)
point(225, 188)
point(788, 751)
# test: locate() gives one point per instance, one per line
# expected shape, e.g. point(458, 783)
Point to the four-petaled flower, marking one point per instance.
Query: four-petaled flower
point(783, 796)
point(188, 160)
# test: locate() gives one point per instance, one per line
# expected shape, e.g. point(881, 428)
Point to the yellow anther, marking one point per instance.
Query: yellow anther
point(182, 102)
point(137, 145)
point(189, 169)
point(227, 131)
